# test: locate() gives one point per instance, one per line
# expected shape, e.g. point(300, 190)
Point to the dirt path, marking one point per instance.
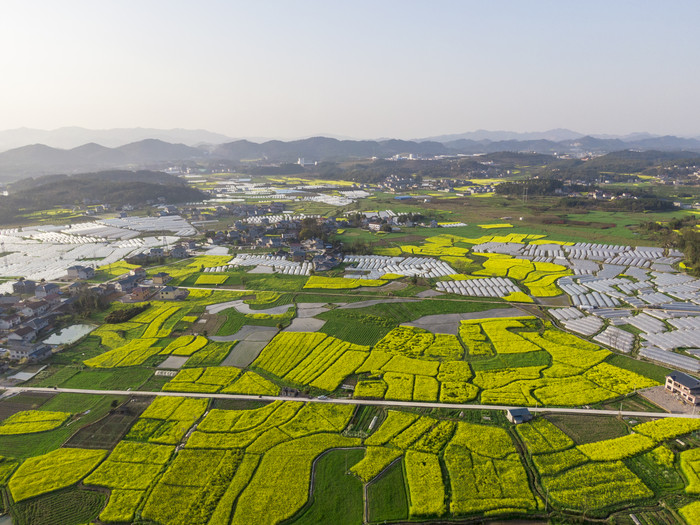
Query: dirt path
point(449, 323)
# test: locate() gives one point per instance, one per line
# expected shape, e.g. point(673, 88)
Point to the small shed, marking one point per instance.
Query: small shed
point(518, 415)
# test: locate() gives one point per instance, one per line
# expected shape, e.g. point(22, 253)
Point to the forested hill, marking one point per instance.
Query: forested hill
point(38, 159)
point(120, 176)
point(111, 187)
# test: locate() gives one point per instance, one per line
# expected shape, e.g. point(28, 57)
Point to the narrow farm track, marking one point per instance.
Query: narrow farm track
point(371, 402)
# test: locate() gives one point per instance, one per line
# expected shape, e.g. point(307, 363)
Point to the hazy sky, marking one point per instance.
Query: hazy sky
point(364, 69)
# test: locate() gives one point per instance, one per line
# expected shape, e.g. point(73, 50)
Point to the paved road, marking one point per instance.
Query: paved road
point(374, 402)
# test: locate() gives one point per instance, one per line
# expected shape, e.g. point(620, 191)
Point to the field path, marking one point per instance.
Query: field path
point(244, 308)
point(371, 402)
point(449, 323)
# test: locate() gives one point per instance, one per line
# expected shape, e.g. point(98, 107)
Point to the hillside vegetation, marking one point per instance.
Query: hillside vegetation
point(110, 187)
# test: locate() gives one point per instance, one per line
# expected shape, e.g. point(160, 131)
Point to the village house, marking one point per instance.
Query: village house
point(103, 289)
point(138, 272)
point(25, 286)
point(161, 278)
point(33, 308)
point(76, 287)
point(268, 242)
point(314, 245)
point(46, 289)
point(179, 252)
point(323, 263)
point(170, 293)
point(297, 255)
point(38, 323)
point(684, 385)
point(125, 285)
point(9, 321)
point(18, 352)
point(9, 300)
point(53, 299)
point(81, 272)
point(23, 334)
point(140, 294)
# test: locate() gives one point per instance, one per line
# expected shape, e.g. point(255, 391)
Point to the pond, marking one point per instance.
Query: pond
point(69, 334)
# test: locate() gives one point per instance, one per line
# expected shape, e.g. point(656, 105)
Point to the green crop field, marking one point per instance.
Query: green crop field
point(65, 507)
point(387, 500)
point(109, 430)
point(27, 445)
point(587, 429)
point(53, 376)
point(653, 371)
point(337, 496)
point(23, 401)
point(117, 379)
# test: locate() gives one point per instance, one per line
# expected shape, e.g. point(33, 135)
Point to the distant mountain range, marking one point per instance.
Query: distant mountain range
point(71, 137)
point(496, 136)
point(554, 135)
point(40, 159)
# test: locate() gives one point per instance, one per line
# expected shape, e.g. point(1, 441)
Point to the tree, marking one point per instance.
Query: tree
point(88, 302)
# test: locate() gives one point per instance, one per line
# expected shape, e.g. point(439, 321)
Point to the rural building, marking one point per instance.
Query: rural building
point(76, 287)
point(52, 299)
point(161, 278)
point(25, 286)
point(298, 255)
point(103, 289)
point(140, 294)
point(46, 289)
point(179, 252)
point(9, 321)
point(687, 386)
point(324, 263)
point(139, 272)
point(32, 308)
point(29, 352)
point(81, 272)
point(126, 285)
point(518, 415)
point(170, 293)
point(38, 323)
point(22, 334)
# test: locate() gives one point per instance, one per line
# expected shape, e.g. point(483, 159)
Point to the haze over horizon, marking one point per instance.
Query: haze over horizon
point(362, 70)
